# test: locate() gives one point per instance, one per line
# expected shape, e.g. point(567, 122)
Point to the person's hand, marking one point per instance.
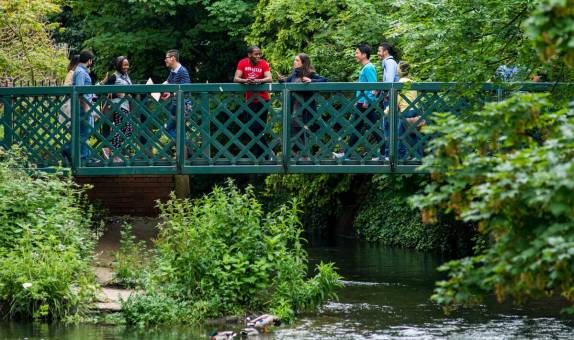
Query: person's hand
point(105, 80)
point(365, 105)
point(306, 79)
point(165, 95)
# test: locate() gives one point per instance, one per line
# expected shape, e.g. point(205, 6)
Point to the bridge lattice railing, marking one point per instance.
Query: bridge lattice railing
point(214, 128)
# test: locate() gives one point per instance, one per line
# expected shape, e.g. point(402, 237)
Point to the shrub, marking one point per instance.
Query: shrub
point(45, 244)
point(44, 282)
point(50, 207)
point(221, 255)
point(385, 215)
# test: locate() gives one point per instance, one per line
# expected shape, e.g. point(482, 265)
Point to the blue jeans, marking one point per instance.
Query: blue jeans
point(409, 138)
point(86, 127)
point(171, 121)
point(401, 130)
point(171, 124)
point(372, 117)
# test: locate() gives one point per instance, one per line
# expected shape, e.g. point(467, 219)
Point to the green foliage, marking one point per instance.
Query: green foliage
point(462, 40)
point(326, 30)
point(156, 308)
point(50, 208)
point(221, 255)
point(208, 35)
point(26, 49)
point(45, 244)
point(551, 27)
point(320, 195)
point(509, 169)
point(44, 282)
point(129, 263)
point(386, 216)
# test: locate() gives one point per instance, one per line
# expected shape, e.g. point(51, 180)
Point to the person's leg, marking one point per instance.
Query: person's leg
point(373, 118)
point(408, 134)
point(171, 121)
point(296, 126)
point(307, 117)
point(126, 128)
point(116, 141)
point(86, 127)
point(358, 121)
point(258, 129)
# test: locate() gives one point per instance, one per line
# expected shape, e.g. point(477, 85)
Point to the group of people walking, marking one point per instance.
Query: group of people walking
point(252, 70)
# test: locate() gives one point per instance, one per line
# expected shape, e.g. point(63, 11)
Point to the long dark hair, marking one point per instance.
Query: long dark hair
point(74, 61)
point(306, 68)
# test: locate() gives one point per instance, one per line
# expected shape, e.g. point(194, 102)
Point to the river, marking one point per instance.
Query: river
point(386, 295)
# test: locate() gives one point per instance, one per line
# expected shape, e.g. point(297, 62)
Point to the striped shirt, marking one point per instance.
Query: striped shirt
point(179, 76)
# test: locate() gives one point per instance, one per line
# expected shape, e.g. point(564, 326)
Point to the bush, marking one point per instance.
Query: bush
point(509, 169)
point(386, 216)
point(221, 255)
point(49, 207)
point(43, 282)
point(45, 244)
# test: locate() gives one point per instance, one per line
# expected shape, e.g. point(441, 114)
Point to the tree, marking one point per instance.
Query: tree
point(509, 167)
point(208, 34)
point(452, 40)
point(326, 30)
point(26, 49)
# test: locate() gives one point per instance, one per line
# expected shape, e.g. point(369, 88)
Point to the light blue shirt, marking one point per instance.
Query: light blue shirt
point(81, 78)
point(390, 70)
point(368, 75)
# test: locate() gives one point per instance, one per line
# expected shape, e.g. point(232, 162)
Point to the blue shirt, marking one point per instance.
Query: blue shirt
point(179, 76)
point(368, 75)
point(82, 78)
point(390, 70)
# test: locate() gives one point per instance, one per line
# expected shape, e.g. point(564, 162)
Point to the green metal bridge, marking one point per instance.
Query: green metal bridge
point(127, 129)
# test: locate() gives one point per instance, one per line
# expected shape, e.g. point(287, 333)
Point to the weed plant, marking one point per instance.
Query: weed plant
point(129, 263)
point(221, 255)
point(45, 244)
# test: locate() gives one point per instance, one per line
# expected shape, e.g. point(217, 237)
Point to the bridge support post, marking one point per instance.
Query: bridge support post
point(182, 189)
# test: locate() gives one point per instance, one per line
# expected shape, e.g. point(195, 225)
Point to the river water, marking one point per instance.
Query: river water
point(386, 295)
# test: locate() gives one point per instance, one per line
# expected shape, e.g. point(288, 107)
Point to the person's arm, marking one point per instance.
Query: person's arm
point(371, 77)
point(69, 78)
point(111, 80)
point(169, 80)
point(315, 78)
point(79, 80)
point(184, 77)
point(267, 78)
point(237, 78)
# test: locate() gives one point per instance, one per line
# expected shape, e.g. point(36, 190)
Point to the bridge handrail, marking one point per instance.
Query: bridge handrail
point(302, 125)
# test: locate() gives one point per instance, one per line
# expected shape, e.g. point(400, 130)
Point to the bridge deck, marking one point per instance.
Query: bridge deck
point(213, 129)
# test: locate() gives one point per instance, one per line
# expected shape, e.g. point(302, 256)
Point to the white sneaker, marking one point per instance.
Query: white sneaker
point(376, 159)
point(338, 154)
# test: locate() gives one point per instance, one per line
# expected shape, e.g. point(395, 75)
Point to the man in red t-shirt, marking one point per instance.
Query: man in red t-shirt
point(254, 70)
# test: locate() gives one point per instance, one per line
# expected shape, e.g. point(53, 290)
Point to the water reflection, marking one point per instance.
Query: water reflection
point(386, 295)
